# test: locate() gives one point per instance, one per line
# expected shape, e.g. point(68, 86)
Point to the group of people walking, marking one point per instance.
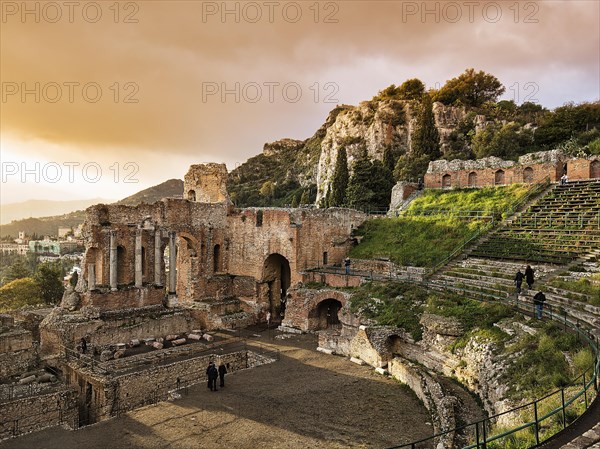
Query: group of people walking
point(539, 297)
point(213, 373)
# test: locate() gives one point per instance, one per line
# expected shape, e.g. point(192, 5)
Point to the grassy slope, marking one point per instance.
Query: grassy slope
point(426, 240)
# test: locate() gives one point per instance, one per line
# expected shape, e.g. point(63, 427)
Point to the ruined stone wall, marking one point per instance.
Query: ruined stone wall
point(17, 352)
point(110, 394)
point(302, 304)
point(587, 168)
point(530, 168)
point(206, 183)
point(15, 340)
point(17, 362)
point(60, 329)
point(35, 413)
point(125, 298)
point(332, 279)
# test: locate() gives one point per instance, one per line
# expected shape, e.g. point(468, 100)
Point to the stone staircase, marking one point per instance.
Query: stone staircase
point(559, 228)
point(557, 234)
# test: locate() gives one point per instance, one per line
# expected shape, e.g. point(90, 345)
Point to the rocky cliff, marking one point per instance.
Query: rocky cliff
point(296, 166)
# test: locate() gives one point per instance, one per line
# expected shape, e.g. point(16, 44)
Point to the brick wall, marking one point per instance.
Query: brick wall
point(39, 412)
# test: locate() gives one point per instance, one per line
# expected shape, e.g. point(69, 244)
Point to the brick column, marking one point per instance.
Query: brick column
point(138, 258)
point(172, 263)
point(113, 260)
point(157, 256)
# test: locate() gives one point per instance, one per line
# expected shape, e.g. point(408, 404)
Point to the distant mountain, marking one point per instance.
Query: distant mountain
point(42, 208)
point(170, 188)
point(49, 225)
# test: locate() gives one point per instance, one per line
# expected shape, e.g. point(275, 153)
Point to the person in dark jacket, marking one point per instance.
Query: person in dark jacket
point(222, 372)
point(538, 301)
point(529, 276)
point(519, 280)
point(347, 265)
point(212, 374)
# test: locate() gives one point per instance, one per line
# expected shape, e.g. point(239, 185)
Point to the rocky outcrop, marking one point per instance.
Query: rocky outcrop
point(70, 299)
point(373, 125)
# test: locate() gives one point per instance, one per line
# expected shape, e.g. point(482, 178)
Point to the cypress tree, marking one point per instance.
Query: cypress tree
point(358, 193)
point(339, 183)
point(426, 138)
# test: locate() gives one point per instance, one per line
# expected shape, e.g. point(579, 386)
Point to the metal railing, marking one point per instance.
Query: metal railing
point(583, 388)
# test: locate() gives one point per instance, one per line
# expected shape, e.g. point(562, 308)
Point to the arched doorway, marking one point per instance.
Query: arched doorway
point(122, 265)
point(277, 276)
point(191, 196)
point(499, 178)
point(446, 181)
point(325, 315)
point(187, 268)
point(217, 264)
point(472, 181)
point(528, 174)
point(393, 345)
point(595, 169)
point(94, 257)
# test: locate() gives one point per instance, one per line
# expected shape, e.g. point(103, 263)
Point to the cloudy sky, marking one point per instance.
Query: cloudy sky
point(107, 98)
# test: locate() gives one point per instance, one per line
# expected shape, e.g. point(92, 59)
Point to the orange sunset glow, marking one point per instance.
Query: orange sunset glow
point(164, 84)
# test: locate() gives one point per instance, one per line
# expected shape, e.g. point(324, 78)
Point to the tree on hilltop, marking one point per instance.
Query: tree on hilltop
point(470, 89)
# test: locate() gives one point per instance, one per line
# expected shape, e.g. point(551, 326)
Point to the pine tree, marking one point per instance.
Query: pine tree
point(339, 183)
point(426, 138)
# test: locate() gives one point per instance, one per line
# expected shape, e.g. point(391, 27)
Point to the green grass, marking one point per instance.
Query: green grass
point(415, 241)
point(391, 304)
point(584, 286)
point(488, 200)
point(471, 313)
point(542, 366)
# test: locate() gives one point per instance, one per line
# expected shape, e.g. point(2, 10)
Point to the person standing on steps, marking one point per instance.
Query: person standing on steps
point(347, 265)
point(519, 281)
point(222, 372)
point(268, 319)
point(538, 301)
point(529, 277)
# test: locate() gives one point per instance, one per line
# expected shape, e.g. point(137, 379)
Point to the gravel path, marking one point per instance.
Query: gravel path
point(306, 399)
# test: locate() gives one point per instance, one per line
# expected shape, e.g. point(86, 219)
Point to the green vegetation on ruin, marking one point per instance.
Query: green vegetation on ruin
point(543, 361)
point(584, 286)
point(414, 241)
point(435, 224)
point(485, 200)
point(391, 304)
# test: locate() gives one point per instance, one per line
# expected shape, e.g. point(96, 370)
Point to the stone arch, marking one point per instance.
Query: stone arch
point(277, 276)
point(528, 174)
point(472, 179)
point(446, 181)
point(191, 195)
point(595, 169)
point(393, 344)
point(95, 257)
point(325, 315)
point(499, 178)
point(123, 267)
point(187, 266)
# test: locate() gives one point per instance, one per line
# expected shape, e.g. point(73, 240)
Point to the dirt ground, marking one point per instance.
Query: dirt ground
point(306, 399)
